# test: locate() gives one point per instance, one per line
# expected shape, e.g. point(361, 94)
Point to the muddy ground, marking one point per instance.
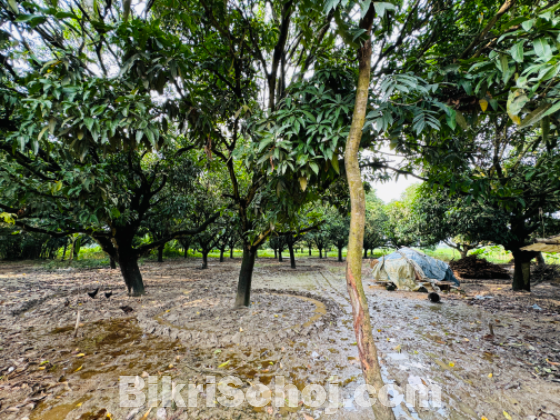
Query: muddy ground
point(493, 352)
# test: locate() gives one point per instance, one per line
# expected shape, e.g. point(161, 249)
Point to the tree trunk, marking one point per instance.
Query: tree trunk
point(362, 325)
point(160, 254)
point(365, 253)
point(463, 252)
point(204, 259)
point(275, 254)
point(310, 251)
point(112, 263)
point(243, 298)
point(320, 253)
point(522, 270)
point(280, 255)
point(292, 256)
point(64, 252)
point(76, 248)
point(339, 254)
point(132, 276)
point(540, 259)
point(186, 254)
point(222, 255)
point(72, 248)
point(231, 253)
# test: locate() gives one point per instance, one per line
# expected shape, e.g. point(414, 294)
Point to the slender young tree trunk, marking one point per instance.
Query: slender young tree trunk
point(72, 249)
point(365, 253)
point(339, 254)
point(112, 263)
point(132, 276)
point(204, 259)
point(540, 259)
point(64, 252)
point(522, 270)
point(292, 256)
point(160, 254)
point(222, 254)
point(360, 312)
point(309, 251)
point(243, 298)
point(320, 253)
point(231, 253)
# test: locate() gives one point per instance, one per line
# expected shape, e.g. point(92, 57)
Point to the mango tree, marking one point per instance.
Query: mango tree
point(84, 151)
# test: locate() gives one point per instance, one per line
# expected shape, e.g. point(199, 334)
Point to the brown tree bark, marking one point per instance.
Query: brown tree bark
point(360, 312)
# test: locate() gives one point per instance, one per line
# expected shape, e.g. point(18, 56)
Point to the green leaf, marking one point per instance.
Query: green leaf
point(365, 4)
point(527, 25)
point(535, 116)
point(334, 163)
point(89, 123)
point(504, 64)
point(13, 5)
point(43, 131)
point(331, 4)
point(461, 120)
point(542, 49)
point(382, 7)
point(517, 51)
point(554, 108)
point(314, 167)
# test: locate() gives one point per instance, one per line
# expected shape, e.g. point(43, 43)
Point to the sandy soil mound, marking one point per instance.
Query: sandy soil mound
point(477, 268)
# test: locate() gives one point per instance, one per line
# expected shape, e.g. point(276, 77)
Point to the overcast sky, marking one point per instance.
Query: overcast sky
point(392, 190)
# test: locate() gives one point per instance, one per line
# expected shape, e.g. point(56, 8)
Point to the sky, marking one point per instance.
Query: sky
point(392, 190)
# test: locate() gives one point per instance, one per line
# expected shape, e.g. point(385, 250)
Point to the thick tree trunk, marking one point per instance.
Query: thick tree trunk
point(186, 254)
point(160, 254)
point(132, 276)
point(222, 255)
point(362, 325)
point(275, 253)
point(339, 254)
point(112, 263)
point(522, 270)
point(280, 255)
point(243, 298)
point(292, 256)
point(540, 259)
point(320, 253)
point(204, 259)
point(463, 252)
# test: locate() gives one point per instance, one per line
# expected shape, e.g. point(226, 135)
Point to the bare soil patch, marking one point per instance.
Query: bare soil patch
point(489, 355)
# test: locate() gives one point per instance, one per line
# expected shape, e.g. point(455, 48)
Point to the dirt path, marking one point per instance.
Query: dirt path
point(299, 327)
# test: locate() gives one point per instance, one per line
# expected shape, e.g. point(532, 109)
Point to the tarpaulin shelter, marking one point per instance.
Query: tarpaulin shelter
point(551, 244)
point(410, 270)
